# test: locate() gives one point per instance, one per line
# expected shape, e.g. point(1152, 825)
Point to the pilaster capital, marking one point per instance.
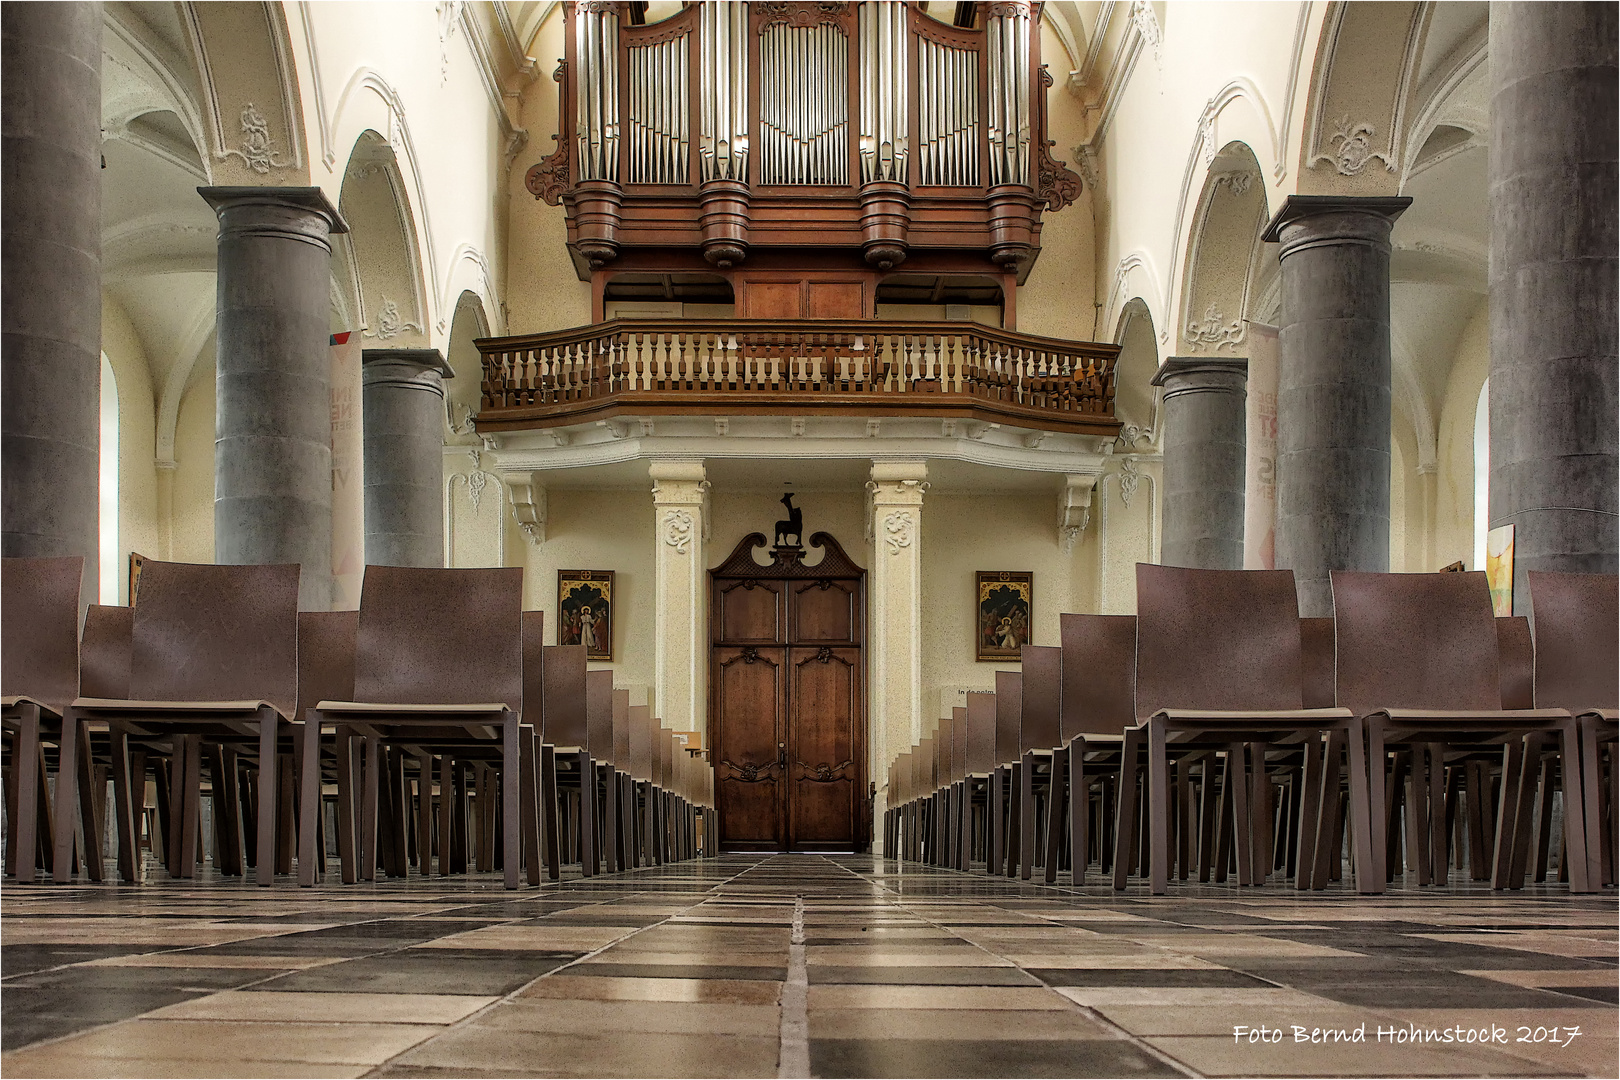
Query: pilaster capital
point(678, 483)
point(1203, 375)
point(898, 483)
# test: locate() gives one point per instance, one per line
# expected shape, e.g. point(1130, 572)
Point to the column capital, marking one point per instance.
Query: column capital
point(291, 213)
point(1203, 375)
point(408, 369)
point(1306, 221)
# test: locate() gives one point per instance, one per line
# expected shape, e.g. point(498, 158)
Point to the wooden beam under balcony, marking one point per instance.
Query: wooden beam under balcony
point(827, 367)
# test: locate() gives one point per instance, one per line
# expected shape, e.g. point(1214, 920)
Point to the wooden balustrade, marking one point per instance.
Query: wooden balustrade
point(827, 367)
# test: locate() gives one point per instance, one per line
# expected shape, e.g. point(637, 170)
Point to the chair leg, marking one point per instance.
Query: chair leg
point(1126, 797)
point(1242, 818)
point(1507, 813)
point(1158, 796)
point(447, 802)
point(1439, 859)
point(1054, 815)
point(1591, 798)
point(998, 822)
point(129, 849)
point(548, 803)
point(190, 788)
point(66, 796)
point(1026, 818)
point(1581, 880)
point(1079, 786)
point(92, 805)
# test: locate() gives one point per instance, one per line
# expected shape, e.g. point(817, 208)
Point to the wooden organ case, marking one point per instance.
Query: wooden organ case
point(803, 150)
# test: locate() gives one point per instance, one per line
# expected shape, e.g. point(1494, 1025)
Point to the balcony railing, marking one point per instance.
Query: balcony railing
point(824, 366)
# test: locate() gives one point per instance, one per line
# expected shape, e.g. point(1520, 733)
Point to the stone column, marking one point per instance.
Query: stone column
point(895, 665)
point(273, 428)
point(1333, 389)
point(50, 318)
point(1205, 403)
point(402, 414)
point(1553, 294)
point(680, 598)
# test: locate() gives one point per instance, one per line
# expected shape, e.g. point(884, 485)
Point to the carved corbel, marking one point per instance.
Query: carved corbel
point(528, 498)
point(1074, 508)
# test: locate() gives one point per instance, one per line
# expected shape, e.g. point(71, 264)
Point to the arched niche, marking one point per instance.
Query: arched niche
point(461, 394)
point(1223, 255)
point(378, 265)
point(1135, 402)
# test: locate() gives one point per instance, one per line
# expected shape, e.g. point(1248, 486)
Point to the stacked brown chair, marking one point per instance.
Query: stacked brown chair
point(438, 658)
point(39, 666)
point(1040, 737)
point(1218, 665)
point(1418, 660)
point(979, 717)
point(542, 842)
point(1003, 798)
point(1577, 668)
point(622, 789)
point(213, 659)
point(566, 732)
point(1098, 705)
point(600, 817)
point(641, 777)
point(104, 654)
point(326, 643)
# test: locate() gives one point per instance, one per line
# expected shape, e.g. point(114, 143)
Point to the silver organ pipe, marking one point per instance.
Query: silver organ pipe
point(596, 47)
point(804, 105)
point(1007, 36)
point(657, 124)
point(723, 138)
point(948, 124)
point(885, 144)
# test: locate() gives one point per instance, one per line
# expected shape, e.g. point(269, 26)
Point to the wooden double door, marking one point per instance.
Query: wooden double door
point(787, 710)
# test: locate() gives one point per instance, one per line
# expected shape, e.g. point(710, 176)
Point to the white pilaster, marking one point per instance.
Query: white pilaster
point(896, 619)
point(680, 627)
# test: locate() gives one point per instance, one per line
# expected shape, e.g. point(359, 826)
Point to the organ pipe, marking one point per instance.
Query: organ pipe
point(885, 145)
point(660, 116)
point(804, 105)
point(596, 53)
point(948, 125)
point(723, 138)
point(1007, 36)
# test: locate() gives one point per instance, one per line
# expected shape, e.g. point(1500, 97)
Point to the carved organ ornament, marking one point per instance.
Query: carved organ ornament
point(812, 125)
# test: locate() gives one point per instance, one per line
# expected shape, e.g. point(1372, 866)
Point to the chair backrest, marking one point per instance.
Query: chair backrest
point(1577, 640)
point(534, 669)
point(438, 636)
point(1009, 713)
point(1040, 726)
point(945, 747)
point(1516, 662)
point(599, 714)
point(1414, 641)
point(1216, 639)
point(959, 743)
point(981, 726)
point(1099, 674)
point(565, 720)
point(665, 745)
point(216, 633)
point(928, 773)
point(640, 742)
point(326, 657)
point(900, 784)
point(39, 629)
point(1316, 661)
point(104, 651)
point(621, 730)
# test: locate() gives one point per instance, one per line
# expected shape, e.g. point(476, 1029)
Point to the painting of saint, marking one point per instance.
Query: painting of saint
point(585, 611)
point(1004, 613)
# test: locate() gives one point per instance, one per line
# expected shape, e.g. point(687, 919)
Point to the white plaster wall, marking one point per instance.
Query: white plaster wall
point(1454, 501)
point(192, 527)
point(138, 525)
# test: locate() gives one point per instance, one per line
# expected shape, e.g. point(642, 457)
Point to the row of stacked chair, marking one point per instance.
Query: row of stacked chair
point(431, 724)
point(1412, 728)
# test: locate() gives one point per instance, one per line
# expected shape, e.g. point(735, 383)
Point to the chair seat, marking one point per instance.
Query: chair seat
point(14, 701)
point(1258, 715)
point(373, 707)
point(1509, 716)
point(130, 705)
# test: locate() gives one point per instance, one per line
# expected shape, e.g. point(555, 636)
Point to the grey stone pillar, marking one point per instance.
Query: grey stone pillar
point(1204, 454)
point(1553, 193)
point(1333, 389)
point(404, 456)
point(273, 422)
point(50, 257)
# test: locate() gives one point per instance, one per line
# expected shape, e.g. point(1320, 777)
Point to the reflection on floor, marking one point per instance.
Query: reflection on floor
point(799, 965)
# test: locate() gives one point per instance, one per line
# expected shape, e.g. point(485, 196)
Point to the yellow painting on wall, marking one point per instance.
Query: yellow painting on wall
point(1499, 568)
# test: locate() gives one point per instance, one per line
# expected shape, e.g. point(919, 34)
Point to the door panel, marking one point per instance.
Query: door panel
point(823, 611)
point(751, 612)
point(747, 731)
point(824, 711)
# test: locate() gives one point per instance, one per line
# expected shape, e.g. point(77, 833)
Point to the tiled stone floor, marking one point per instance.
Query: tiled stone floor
point(795, 965)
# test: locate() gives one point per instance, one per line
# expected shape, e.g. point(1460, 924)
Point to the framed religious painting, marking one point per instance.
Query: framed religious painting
point(585, 611)
point(1005, 606)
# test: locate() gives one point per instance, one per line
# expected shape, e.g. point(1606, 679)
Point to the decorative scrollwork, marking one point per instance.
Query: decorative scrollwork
point(824, 773)
point(825, 656)
point(749, 773)
point(550, 177)
point(750, 654)
point(678, 529)
point(801, 13)
point(1354, 148)
point(898, 529)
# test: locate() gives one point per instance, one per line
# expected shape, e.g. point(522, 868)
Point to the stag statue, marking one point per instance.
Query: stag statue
point(793, 526)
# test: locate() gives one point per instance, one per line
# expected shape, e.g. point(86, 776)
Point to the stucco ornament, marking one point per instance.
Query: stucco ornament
point(1129, 478)
point(678, 526)
point(898, 530)
point(258, 149)
point(1213, 331)
point(1354, 148)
